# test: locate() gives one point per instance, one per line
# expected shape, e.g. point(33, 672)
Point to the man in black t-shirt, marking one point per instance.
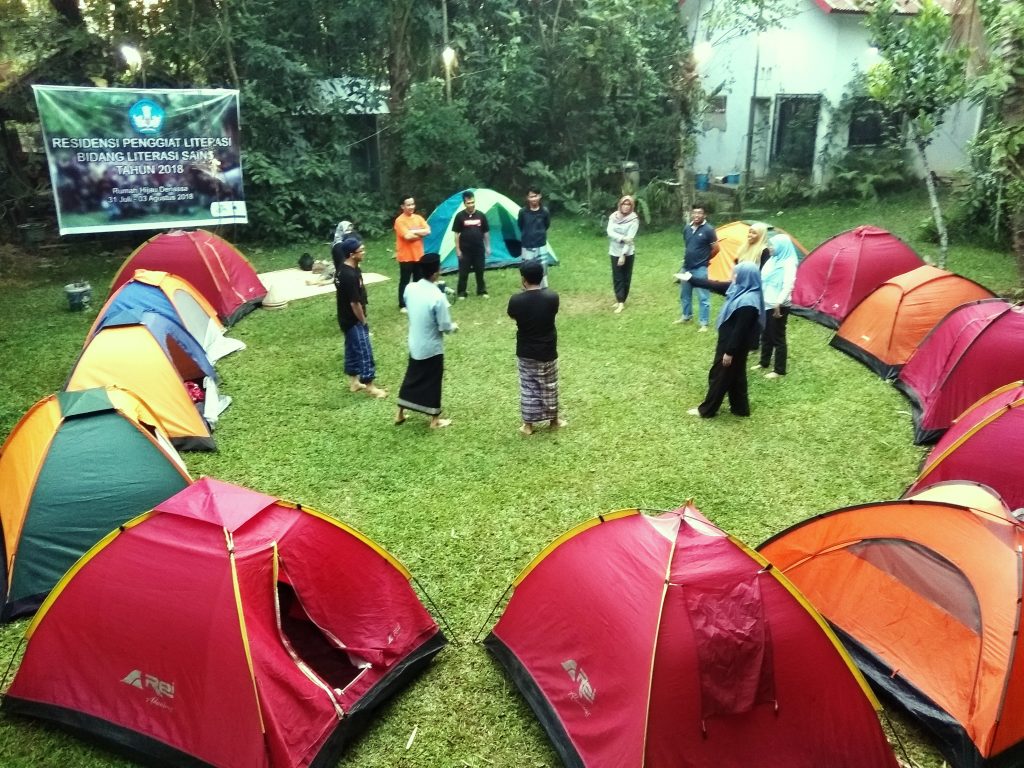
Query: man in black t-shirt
point(472, 244)
point(534, 311)
point(350, 293)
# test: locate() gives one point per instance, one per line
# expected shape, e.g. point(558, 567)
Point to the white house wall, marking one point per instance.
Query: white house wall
point(815, 53)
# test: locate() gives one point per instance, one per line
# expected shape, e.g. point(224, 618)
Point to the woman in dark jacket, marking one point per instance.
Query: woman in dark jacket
point(739, 329)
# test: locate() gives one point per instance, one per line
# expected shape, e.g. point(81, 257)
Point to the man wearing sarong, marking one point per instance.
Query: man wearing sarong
point(429, 320)
point(534, 310)
point(351, 299)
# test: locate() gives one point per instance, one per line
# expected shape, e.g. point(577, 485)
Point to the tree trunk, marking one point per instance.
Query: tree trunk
point(933, 198)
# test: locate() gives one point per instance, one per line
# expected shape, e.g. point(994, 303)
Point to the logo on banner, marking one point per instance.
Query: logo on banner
point(147, 117)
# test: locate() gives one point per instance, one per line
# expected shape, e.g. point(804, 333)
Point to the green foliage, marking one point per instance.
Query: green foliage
point(578, 87)
point(994, 199)
point(440, 148)
point(869, 172)
point(726, 21)
point(573, 188)
point(918, 76)
point(783, 190)
point(864, 172)
point(658, 203)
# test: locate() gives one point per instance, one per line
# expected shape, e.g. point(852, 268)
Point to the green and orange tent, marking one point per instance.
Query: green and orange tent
point(76, 466)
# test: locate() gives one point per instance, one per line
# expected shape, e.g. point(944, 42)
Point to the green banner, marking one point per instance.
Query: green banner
point(124, 159)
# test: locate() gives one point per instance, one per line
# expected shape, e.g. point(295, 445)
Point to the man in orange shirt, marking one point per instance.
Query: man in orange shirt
point(410, 229)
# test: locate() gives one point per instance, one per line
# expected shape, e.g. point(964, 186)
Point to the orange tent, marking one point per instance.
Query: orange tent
point(731, 238)
point(926, 594)
point(129, 356)
point(885, 328)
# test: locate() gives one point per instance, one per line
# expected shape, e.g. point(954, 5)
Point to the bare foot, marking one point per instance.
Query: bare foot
point(355, 385)
point(526, 429)
point(558, 423)
point(400, 417)
point(374, 391)
point(439, 423)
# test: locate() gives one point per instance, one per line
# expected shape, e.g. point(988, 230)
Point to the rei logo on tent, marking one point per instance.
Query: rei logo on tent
point(586, 691)
point(162, 689)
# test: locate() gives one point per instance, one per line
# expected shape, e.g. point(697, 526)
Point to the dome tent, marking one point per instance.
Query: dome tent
point(225, 628)
point(926, 593)
point(976, 348)
point(662, 641)
point(731, 237)
point(502, 216)
point(984, 445)
point(837, 275)
point(214, 267)
point(885, 328)
point(175, 298)
point(75, 466)
point(154, 361)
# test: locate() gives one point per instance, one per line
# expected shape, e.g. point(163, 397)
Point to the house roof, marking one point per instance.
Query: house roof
point(903, 7)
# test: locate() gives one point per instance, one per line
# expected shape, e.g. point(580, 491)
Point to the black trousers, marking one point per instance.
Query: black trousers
point(475, 262)
point(408, 272)
point(723, 381)
point(622, 277)
point(774, 339)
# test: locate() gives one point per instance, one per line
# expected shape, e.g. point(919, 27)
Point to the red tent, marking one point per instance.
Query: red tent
point(663, 642)
point(975, 349)
point(840, 272)
point(231, 629)
point(887, 326)
point(214, 267)
point(984, 445)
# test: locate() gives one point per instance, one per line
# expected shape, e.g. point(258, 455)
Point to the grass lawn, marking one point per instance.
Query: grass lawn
point(467, 507)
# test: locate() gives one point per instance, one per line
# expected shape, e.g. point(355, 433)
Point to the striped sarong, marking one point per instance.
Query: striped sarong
point(538, 390)
point(359, 354)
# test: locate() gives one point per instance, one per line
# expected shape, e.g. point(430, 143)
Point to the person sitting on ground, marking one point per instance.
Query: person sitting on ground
point(739, 327)
point(534, 310)
point(429, 320)
point(350, 293)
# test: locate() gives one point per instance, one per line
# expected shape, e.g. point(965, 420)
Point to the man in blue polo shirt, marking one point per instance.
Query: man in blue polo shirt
point(701, 246)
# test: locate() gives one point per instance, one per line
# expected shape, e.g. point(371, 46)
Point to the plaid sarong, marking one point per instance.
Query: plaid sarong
point(538, 390)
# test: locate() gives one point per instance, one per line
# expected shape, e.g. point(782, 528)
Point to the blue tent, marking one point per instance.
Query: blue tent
point(502, 215)
point(139, 297)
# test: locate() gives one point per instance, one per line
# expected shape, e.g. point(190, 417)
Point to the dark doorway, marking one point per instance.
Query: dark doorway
point(796, 131)
point(310, 644)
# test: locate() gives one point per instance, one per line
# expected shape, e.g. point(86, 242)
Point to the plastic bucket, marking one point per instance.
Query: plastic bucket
point(701, 181)
point(732, 178)
point(79, 295)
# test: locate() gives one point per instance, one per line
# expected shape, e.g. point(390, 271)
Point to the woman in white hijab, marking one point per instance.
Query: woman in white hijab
point(622, 228)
